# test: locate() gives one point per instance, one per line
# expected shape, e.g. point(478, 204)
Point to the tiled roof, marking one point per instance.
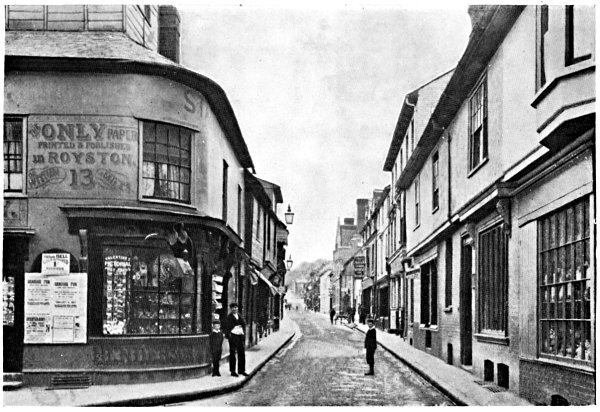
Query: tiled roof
point(85, 45)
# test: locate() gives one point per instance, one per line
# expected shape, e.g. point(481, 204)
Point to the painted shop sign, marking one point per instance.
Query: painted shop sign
point(91, 156)
point(55, 308)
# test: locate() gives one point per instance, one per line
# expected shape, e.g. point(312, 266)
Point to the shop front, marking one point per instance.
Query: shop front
point(149, 299)
point(128, 193)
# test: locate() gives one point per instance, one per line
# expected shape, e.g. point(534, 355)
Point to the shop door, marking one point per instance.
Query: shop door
point(466, 321)
point(12, 288)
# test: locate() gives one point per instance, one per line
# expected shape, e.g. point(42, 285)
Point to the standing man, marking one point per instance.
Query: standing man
point(235, 335)
point(370, 346)
point(331, 315)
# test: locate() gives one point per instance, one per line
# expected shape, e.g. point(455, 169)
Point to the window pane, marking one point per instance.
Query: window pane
point(173, 155)
point(162, 155)
point(149, 132)
point(16, 181)
point(162, 134)
point(173, 136)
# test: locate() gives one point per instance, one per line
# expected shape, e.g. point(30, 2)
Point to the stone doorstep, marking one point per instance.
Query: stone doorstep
point(12, 381)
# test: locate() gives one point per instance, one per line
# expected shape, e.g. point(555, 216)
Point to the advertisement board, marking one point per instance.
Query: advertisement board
point(55, 308)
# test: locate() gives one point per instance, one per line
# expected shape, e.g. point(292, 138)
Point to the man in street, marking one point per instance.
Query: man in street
point(331, 315)
point(370, 346)
point(235, 335)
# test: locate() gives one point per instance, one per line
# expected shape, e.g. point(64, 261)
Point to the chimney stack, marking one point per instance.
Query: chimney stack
point(361, 209)
point(169, 33)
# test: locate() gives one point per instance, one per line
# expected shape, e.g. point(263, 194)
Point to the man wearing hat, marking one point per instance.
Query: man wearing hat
point(235, 327)
point(370, 346)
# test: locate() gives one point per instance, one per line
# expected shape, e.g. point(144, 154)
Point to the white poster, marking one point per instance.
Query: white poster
point(55, 308)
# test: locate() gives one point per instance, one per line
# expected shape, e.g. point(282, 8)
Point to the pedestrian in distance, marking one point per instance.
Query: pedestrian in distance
point(216, 347)
point(370, 346)
point(331, 315)
point(236, 335)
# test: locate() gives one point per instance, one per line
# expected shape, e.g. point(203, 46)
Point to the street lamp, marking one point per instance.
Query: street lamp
point(289, 263)
point(289, 216)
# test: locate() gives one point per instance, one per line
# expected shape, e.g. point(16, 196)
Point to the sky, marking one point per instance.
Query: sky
point(317, 90)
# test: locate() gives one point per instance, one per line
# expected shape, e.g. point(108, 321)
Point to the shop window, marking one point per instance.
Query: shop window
point(147, 291)
point(478, 131)
point(429, 293)
point(565, 282)
point(580, 24)
point(13, 155)
point(493, 280)
point(167, 162)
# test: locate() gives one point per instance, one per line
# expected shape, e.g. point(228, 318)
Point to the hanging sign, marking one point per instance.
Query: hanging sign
point(55, 308)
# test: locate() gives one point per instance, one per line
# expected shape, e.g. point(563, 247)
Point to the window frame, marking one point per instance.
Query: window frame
point(429, 294)
point(542, 16)
point(225, 191)
point(158, 199)
point(435, 181)
point(417, 201)
point(492, 275)
point(23, 156)
point(162, 248)
point(549, 242)
point(474, 163)
point(570, 58)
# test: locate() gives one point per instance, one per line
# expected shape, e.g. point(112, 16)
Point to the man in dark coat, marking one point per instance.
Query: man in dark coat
point(332, 315)
point(370, 346)
point(235, 333)
point(216, 346)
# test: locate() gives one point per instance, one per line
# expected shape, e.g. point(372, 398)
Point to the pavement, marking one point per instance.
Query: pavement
point(459, 385)
point(158, 393)
point(456, 383)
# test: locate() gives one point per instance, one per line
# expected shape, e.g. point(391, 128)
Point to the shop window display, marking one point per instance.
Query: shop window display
point(565, 282)
point(147, 291)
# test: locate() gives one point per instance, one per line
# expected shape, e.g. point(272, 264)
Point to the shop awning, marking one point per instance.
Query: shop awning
point(272, 288)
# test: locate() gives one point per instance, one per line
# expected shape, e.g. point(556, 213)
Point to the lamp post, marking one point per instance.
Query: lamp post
point(289, 262)
point(289, 216)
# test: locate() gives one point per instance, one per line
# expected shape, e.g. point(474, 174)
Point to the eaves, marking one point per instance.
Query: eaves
point(483, 44)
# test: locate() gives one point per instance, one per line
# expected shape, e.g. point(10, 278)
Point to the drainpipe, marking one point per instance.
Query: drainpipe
point(449, 137)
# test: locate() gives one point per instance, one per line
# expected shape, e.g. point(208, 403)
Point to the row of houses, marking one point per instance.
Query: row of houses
point(132, 169)
point(481, 250)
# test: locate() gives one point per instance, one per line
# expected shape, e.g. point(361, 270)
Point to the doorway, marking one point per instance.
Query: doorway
point(13, 274)
point(466, 315)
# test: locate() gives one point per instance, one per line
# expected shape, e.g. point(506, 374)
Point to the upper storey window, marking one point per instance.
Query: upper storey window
point(13, 155)
point(167, 162)
point(579, 33)
point(478, 130)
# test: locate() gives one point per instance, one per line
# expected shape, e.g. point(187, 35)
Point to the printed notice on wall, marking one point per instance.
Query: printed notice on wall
point(55, 308)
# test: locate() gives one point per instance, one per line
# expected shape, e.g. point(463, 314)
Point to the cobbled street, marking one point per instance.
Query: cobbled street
point(325, 366)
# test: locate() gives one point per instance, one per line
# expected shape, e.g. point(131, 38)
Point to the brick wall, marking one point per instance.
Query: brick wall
point(539, 381)
point(419, 341)
point(169, 33)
